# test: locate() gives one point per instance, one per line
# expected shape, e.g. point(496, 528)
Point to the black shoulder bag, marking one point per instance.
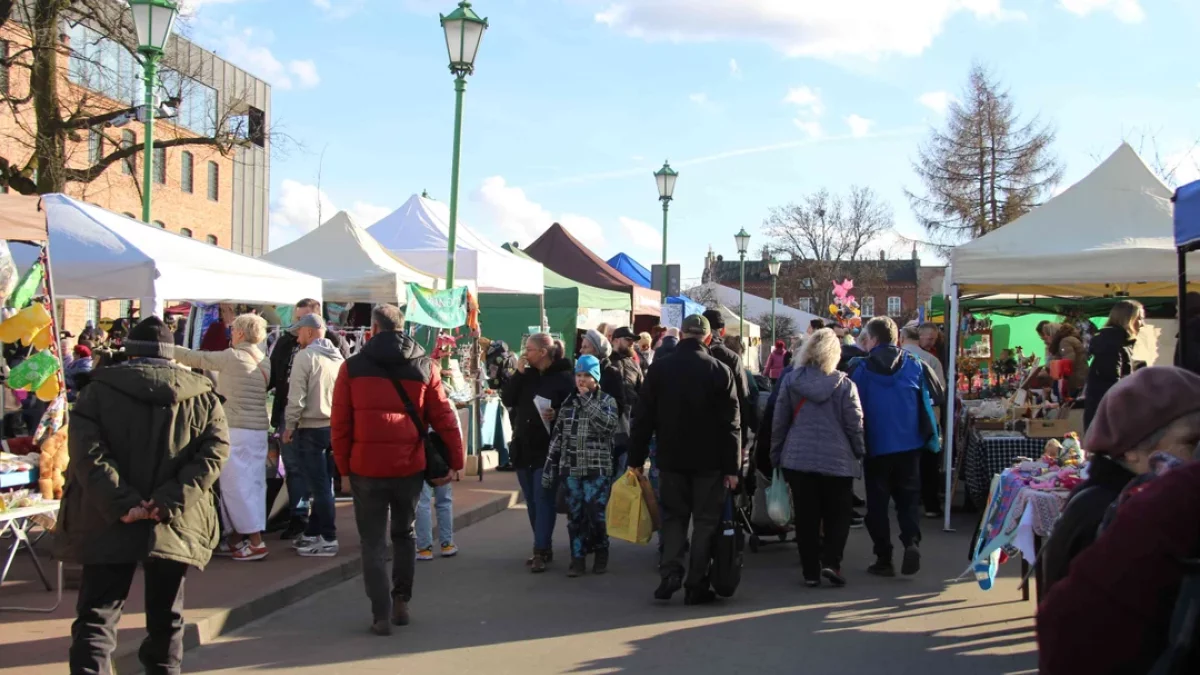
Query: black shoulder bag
point(437, 455)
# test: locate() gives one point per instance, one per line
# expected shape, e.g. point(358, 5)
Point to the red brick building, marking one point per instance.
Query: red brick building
point(882, 287)
point(198, 192)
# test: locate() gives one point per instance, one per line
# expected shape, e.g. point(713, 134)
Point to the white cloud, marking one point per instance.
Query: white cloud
point(808, 100)
point(339, 9)
point(1183, 166)
point(641, 234)
point(813, 129)
point(189, 8)
point(937, 101)
point(296, 207)
point(248, 50)
point(305, 72)
point(700, 99)
point(734, 69)
point(1128, 11)
point(809, 108)
point(322, 4)
point(859, 126)
point(869, 29)
point(523, 220)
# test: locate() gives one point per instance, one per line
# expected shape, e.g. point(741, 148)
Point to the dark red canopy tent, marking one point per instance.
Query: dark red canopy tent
point(562, 253)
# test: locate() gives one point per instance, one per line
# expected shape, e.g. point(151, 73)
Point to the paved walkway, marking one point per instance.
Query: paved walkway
point(225, 596)
point(482, 612)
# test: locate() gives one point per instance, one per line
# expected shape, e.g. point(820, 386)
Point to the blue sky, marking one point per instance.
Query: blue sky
point(756, 102)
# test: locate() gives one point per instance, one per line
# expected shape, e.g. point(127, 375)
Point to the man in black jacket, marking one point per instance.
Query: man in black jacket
point(281, 370)
point(724, 355)
point(690, 402)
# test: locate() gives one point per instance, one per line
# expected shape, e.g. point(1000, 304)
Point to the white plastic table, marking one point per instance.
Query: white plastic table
point(19, 522)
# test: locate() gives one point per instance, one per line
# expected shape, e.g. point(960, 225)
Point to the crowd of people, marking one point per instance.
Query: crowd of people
point(167, 467)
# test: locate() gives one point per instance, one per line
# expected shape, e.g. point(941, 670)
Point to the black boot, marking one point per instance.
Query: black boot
point(669, 586)
point(578, 567)
point(883, 567)
point(600, 564)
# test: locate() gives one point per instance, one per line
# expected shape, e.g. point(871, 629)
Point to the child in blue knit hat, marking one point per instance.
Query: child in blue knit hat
point(581, 451)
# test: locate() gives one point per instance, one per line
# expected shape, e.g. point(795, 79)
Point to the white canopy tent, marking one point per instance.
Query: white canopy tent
point(419, 233)
point(353, 266)
point(98, 254)
point(733, 326)
point(755, 306)
point(1109, 234)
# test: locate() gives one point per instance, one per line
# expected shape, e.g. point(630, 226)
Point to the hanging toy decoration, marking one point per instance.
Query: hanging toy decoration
point(38, 374)
point(25, 325)
point(845, 309)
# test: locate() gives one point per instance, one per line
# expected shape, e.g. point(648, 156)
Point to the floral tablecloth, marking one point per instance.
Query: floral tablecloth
point(1017, 513)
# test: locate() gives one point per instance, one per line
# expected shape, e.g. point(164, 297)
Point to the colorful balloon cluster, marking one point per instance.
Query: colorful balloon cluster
point(845, 308)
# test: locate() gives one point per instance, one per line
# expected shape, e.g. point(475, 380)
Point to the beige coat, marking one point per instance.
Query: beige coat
point(310, 386)
point(243, 372)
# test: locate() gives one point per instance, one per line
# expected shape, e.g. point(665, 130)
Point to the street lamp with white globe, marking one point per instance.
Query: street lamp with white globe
point(665, 177)
point(743, 244)
point(464, 31)
point(153, 20)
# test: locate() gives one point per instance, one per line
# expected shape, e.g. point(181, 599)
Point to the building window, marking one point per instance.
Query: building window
point(92, 313)
point(186, 232)
point(4, 51)
point(129, 164)
point(808, 283)
point(159, 224)
point(160, 166)
point(805, 305)
point(868, 306)
point(95, 146)
point(893, 306)
point(185, 171)
point(214, 177)
point(211, 239)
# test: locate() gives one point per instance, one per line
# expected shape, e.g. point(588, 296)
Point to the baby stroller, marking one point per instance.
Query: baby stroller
point(751, 510)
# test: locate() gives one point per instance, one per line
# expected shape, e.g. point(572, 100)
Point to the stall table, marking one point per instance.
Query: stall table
point(990, 453)
point(20, 522)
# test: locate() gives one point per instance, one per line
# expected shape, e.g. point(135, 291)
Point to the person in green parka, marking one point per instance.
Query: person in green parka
point(147, 443)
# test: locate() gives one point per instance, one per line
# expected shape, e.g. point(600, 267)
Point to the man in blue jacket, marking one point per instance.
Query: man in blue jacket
point(898, 393)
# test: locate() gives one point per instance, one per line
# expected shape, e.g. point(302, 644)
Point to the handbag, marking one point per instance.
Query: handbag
point(728, 552)
point(437, 455)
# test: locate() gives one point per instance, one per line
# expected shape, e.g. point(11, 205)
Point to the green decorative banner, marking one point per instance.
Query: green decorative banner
point(440, 309)
point(27, 287)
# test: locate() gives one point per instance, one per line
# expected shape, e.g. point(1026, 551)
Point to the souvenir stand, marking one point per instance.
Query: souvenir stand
point(446, 323)
point(1107, 236)
point(31, 466)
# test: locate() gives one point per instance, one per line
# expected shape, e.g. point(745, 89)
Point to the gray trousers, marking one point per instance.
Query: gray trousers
point(697, 499)
point(374, 498)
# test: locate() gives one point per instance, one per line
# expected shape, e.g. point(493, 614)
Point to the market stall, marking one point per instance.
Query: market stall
point(1107, 236)
point(751, 340)
point(676, 309)
point(562, 253)
point(627, 265)
point(102, 255)
point(755, 306)
point(569, 306)
point(353, 266)
point(419, 233)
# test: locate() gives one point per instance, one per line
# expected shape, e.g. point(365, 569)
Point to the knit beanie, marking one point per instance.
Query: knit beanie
point(600, 343)
point(1139, 405)
point(151, 339)
point(590, 365)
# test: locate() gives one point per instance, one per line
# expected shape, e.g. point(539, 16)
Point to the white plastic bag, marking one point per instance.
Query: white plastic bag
point(779, 501)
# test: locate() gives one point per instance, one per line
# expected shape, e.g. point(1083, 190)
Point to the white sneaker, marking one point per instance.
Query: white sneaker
point(304, 541)
point(321, 548)
point(449, 550)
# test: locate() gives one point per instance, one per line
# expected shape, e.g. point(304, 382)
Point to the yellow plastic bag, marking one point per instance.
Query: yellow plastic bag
point(628, 516)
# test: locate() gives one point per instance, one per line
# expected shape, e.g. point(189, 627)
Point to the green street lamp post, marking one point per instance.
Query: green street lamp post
point(665, 177)
point(743, 244)
point(773, 268)
point(152, 19)
point(464, 31)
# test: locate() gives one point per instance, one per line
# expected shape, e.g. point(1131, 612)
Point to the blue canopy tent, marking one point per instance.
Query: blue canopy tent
point(630, 268)
point(1187, 239)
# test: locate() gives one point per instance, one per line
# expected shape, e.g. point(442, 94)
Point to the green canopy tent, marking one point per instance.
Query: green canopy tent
point(568, 305)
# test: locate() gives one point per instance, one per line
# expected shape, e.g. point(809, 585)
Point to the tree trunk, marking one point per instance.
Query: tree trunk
point(50, 143)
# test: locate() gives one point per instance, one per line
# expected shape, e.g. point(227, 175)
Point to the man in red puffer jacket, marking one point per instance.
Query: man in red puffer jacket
point(381, 456)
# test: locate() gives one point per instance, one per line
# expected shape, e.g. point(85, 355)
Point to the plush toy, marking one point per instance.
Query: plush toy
point(25, 325)
point(53, 465)
point(1052, 451)
point(37, 373)
point(1072, 452)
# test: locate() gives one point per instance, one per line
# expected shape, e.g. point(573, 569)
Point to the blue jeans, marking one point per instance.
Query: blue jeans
point(445, 516)
point(299, 496)
point(310, 447)
point(539, 501)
